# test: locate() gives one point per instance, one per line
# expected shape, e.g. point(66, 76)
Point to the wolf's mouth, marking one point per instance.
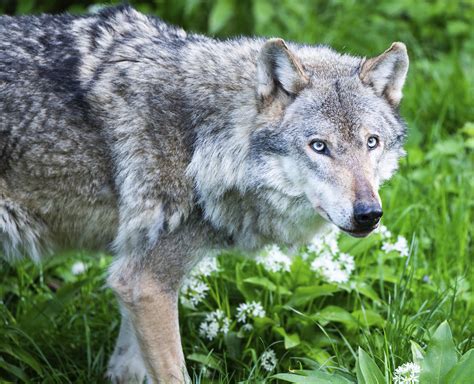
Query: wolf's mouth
point(352, 232)
point(359, 233)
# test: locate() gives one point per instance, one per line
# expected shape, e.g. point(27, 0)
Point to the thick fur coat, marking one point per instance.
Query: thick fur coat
point(120, 132)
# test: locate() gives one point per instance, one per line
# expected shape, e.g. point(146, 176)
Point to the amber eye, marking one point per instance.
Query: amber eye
point(318, 146)
point(372, 142)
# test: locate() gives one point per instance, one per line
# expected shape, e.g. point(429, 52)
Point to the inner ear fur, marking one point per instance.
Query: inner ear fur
point(387, 72)
point(278, 67)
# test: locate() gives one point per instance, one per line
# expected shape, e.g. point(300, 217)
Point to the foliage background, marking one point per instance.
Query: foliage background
point(56, 327)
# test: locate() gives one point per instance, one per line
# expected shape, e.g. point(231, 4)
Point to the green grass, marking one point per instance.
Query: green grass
point(56, 327)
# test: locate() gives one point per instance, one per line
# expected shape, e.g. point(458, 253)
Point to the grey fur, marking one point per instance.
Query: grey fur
point(120, 132)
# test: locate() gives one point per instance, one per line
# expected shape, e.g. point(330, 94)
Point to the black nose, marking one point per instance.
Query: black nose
point(367, 214)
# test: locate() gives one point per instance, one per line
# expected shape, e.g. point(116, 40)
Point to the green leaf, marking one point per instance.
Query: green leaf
point(206, 360)
point(365, 289)
point(233, 345)
point(462, 372)
point(220, 15)
point(299, 379)
point(304, 295)
point(367, 371)
point(416, 352)
point(261, 282)
point(318, 355)
point(369, 318)
point(313, 377)
point(333, 378)
point(335, 314)
point(23, 356)
point(14, 370)
point(241, 286)
point(41, 314)
point(291, 340)
point(440, 356)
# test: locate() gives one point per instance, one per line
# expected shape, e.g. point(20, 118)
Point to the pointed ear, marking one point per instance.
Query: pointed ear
point(278, 67)
point(386, 73)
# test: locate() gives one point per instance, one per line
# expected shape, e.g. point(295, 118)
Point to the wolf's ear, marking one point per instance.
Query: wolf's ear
point(386, 73)
point(277, 67)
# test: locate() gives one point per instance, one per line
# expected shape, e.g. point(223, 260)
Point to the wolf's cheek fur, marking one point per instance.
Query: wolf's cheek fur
point(388, 164)
point(331, 201)
point(329, 197)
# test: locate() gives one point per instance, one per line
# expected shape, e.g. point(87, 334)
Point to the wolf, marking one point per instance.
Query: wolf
point(119, 132)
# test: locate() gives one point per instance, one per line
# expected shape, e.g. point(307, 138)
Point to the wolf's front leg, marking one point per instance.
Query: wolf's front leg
point(156, 323)
point(153, 309)
point(126, 364)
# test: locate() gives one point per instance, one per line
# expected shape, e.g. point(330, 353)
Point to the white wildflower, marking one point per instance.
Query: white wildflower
point(249, 310)
point(247, 327)
point(335, 268)
point(268, 361)
point(325, 241)
point(316, 246)
point(324, 260)
point(215, 323)
point(206, 267)
point(408, 373)
point(384, 232)
point(273, 259)
point(78, 268)
point(400, 246)
point(346, 262)
point(193, 291)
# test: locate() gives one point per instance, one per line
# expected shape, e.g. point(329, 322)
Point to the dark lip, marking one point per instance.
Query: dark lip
point(359, 234)
point(363, 233)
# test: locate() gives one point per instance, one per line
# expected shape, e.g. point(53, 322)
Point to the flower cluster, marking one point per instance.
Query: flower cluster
point(249, 311)
point(78, 268)
point(206, 267)
point(384, 232)
point(326, 241)
point(334, 268)
point(215, 323)
point(194, 289)
point(273, 259)
point(268, 360)
point(400, 246)
point(322, 256)
point(331, 264)
point(407, 373)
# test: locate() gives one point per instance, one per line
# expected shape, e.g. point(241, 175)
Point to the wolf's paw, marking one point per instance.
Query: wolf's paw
point(126, 366)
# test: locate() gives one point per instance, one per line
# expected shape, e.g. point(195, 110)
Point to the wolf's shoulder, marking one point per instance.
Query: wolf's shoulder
point(127, 23)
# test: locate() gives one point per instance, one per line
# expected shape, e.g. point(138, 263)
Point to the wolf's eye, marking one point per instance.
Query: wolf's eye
point(318, 146)
point(372, 142)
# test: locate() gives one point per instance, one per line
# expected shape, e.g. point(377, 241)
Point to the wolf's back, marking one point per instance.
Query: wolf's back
point(52, 158)
point(38, 65)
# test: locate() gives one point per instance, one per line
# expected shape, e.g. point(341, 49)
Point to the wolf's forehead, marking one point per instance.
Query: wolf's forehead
point(335, 107)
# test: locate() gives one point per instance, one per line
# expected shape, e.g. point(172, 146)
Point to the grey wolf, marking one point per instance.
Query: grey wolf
point(120, 132)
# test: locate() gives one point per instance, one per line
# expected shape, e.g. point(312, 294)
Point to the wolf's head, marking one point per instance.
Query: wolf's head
point(329, 128)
